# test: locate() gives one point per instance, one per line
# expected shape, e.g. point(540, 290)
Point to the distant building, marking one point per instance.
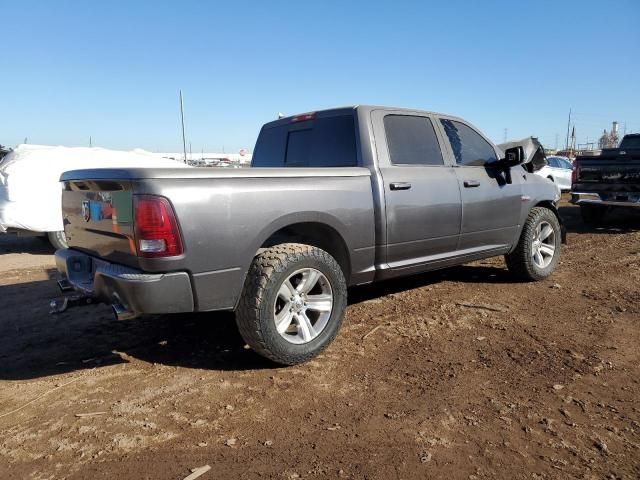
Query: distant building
point(211, 159)
point(609, 139)
point(573, 153)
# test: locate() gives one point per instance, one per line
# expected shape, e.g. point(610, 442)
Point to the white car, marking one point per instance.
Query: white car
point(558, 170)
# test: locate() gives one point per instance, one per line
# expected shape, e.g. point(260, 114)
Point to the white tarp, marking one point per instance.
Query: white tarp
point(30, 188)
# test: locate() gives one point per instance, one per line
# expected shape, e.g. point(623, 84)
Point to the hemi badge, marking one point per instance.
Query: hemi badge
point(525, 198)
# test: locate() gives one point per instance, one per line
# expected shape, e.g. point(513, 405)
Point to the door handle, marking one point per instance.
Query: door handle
point(400, 186)
point(471, 183)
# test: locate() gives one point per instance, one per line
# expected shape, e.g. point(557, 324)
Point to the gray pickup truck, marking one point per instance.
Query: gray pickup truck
point(334, 198)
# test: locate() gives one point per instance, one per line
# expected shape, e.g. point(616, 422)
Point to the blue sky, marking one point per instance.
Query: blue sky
point(112, 70)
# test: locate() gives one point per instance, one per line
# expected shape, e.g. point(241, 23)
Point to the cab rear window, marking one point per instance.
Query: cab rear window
point(630, 142)
point(318, 142)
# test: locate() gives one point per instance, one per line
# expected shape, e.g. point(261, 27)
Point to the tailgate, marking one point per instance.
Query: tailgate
point(621, 173)
point(98, 218)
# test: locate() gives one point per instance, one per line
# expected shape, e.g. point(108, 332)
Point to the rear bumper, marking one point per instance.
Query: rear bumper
point(126, 288)
point(583, 198)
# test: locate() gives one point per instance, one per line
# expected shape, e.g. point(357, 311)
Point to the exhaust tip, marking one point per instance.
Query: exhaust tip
point(122, 313)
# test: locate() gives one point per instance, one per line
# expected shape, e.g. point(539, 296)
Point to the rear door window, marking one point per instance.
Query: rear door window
point(469, 148)
point(412, 140)
point(318, 142)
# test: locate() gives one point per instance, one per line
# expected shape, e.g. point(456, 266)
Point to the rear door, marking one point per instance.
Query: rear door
point(565, 168)
point(490, 206)
point(558, 172)
point(422, 197)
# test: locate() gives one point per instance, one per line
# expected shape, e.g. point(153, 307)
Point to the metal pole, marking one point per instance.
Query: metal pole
point(184, 141)
point(568, 124)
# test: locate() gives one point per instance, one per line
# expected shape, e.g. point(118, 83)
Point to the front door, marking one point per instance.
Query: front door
point(423, 209)
point(491, 202)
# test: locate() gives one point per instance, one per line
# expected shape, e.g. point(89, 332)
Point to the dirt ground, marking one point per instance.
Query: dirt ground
point(460, 373)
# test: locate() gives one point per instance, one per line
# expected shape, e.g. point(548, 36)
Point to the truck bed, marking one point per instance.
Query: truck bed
point(219, 209)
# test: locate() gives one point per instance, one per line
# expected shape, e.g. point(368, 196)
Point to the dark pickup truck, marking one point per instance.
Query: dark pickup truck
point(608, 181)
point(334, 198)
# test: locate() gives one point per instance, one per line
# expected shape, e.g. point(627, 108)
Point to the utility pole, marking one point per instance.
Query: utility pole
point(184, 140)
point(568, 126)
point(505, 135)
point(90, 142)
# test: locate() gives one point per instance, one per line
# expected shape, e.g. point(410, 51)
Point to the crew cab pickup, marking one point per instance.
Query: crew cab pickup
point(608, 181)
point(334, 198)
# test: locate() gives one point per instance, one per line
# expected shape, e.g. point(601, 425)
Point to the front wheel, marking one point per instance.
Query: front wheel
point(293, 303)
point(538, 250)
point(58, 240)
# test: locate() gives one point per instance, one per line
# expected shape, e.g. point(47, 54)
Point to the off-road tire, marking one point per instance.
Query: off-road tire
point(592, 214)
point(520, 261)
point(57, 240)
point(255, 313)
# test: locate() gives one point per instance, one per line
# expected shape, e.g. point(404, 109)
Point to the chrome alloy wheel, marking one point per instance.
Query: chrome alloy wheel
point(543, 247)
point(303, 306)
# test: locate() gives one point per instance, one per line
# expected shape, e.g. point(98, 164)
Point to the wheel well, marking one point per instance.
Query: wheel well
point(551, 206)
point(318, 235)
point(547, 204)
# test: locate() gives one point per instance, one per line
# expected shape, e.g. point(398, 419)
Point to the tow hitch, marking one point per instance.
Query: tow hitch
point(60, 305)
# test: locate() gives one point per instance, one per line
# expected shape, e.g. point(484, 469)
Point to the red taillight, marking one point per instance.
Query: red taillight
point(156, 229)
point(304, 117)
point(574, 175)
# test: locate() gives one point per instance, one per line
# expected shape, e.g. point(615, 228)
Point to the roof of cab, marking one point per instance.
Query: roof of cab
point(345, 110)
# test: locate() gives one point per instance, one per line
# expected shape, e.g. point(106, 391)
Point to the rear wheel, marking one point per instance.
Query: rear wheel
point(538, 250)
point(58, 240)
point(293, 303)
point(592, 214)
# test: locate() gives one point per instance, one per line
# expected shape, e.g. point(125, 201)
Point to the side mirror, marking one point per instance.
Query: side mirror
point(513, 156)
